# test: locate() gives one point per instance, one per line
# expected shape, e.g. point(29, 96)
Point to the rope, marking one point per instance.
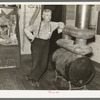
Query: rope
point(33, 18)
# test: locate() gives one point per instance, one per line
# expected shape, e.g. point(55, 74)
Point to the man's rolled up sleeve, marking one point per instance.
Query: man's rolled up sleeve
point(60, 27)
point(28, 33)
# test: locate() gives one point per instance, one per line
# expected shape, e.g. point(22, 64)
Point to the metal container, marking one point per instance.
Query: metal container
point(75, 68)
point(83, 16)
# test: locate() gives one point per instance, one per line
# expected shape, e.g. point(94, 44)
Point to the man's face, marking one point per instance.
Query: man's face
point(47, 16)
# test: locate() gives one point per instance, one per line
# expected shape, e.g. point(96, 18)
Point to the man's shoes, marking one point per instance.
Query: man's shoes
point(32, 82)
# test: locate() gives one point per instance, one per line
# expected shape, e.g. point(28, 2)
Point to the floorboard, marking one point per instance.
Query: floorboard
point(14, 79)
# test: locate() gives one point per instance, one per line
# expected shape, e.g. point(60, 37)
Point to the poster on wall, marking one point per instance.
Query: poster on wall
point(8, 25)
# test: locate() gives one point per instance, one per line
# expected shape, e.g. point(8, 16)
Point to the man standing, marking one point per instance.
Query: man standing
point(40, 40)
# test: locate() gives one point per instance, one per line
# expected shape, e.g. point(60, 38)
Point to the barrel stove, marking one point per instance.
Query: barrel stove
point(71, 59)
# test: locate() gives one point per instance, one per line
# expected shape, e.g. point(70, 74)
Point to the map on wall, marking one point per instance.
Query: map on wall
point(8, 27)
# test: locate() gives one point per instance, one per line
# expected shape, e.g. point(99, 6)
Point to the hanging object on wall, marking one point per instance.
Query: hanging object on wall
point(34, 16)
point(8, 27)
point(31, 6)
point(7, 11)
point(9, 38)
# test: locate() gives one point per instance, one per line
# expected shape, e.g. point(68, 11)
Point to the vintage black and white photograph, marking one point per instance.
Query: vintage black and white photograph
point(49, 46)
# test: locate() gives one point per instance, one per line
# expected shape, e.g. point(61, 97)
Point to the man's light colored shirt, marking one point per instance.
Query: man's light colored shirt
point(45, 31)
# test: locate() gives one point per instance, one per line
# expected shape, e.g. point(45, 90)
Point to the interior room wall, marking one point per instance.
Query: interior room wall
point(25, 14)
point(96, 44)
point(70, 20)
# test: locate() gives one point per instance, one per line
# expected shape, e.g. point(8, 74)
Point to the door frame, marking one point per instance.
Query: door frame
point(63, 12)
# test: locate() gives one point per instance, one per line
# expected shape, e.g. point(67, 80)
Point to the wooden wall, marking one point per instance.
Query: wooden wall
point(25, 14)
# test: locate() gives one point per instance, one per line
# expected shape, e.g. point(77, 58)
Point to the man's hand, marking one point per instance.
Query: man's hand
point(32, 38)
point(61, 26)
point(29, 34)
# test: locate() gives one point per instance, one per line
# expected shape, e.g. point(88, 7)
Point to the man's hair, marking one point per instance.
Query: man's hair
point(47, 10)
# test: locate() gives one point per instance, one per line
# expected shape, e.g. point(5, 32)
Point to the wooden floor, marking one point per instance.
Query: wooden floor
point(14, 79)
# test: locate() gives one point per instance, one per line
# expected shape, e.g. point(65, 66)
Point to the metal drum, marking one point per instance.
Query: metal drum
point(81, 71)
point(75, 68)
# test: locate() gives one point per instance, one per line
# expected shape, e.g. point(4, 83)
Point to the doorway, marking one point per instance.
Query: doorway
point(57, 16)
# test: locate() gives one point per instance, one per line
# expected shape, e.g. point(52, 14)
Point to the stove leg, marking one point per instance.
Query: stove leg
point(76, 88)
point(70, 87)
point(56, 75)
